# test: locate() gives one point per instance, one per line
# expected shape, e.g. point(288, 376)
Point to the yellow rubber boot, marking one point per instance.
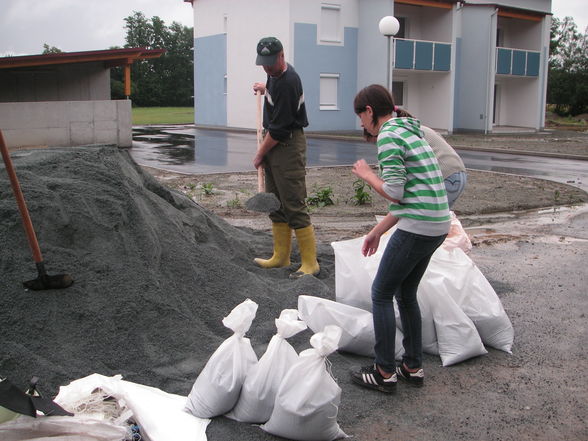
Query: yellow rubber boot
point(282, 247)
point(307, 247)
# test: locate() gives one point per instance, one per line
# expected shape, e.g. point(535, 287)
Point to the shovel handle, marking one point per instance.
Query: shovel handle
point(260, 174)
point(22, 206)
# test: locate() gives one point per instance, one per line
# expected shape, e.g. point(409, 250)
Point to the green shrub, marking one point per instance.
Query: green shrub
point(361, 196)
point(321, 197)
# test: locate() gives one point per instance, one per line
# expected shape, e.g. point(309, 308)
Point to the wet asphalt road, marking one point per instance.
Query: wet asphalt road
point(184, 149)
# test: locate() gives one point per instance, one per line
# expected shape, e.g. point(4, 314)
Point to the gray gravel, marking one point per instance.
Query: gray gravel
point(156, 273)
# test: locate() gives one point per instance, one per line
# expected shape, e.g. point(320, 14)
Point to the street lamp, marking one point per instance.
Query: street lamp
point(389, 27)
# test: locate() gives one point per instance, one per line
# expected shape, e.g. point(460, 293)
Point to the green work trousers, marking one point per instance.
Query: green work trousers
point(285, 176)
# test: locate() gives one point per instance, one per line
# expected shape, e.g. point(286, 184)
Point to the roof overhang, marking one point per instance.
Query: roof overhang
point(111, 58)
point(445, 4)
point(513, 12)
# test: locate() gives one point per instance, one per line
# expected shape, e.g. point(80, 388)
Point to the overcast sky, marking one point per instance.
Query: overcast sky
point(83, 25)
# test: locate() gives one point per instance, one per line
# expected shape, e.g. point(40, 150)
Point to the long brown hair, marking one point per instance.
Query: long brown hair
point(378, 98)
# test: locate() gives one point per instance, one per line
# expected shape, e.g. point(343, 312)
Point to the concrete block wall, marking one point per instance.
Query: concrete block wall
point(67, 123)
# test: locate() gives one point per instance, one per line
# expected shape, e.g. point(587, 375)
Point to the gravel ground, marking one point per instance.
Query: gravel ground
point(531, 246)
point(156, 273)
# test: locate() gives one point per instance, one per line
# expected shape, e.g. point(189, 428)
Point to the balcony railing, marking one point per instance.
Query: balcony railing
point(422, 55)
point(517, 62)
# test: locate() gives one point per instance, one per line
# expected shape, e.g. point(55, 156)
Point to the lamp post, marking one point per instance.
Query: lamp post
point(389, 27)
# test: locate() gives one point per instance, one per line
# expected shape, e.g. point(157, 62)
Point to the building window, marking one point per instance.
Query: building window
point(402, 29)
point(330, 26)
point(398, 92)
point(329, 91)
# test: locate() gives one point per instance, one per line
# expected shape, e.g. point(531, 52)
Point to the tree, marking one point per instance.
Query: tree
point(50, 49)
point(567, 86)
point(164, 81)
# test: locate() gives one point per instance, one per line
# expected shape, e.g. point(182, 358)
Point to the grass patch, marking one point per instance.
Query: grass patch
point(162, 115)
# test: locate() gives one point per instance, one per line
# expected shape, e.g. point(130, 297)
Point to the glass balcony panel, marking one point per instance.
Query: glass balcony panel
point(424, 55)
point(533, 59)
point(442, 57)
point(404, 54)
point(519, 61)
point(504, 60)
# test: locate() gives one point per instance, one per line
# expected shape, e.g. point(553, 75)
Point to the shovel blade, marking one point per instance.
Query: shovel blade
point(263, 202)
point(45, 281)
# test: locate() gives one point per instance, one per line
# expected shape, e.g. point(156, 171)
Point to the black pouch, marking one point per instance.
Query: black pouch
point(29, 402)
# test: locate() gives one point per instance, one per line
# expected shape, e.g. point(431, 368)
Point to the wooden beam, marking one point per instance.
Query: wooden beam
point(519, 15)
point(431, 3)
point(128, 79)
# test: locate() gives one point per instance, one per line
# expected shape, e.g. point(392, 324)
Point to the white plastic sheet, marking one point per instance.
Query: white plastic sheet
point(159, 414)
point(261, 385)
point(356, 324)
point(307, 403)
point(217, 388)
point(457, 236)
point(61, 428)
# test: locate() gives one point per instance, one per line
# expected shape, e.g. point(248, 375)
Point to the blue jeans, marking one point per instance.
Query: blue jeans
point(454, 185)
point(403, 264)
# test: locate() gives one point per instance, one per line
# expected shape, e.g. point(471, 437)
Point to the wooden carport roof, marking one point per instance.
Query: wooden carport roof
point(110, 58)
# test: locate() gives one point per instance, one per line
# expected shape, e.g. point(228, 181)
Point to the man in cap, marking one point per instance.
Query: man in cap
point(282, 153)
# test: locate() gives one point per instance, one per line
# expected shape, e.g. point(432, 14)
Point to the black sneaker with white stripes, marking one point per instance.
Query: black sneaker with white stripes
point(413, 378)
point(370, 377)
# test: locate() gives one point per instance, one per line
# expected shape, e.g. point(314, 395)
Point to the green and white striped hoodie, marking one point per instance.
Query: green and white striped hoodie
point(411, 175)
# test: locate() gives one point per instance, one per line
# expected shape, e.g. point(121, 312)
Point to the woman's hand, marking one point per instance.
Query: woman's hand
point(362, 170)
point(370, 243)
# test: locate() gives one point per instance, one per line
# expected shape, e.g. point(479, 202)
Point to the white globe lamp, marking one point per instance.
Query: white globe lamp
point(389, 27)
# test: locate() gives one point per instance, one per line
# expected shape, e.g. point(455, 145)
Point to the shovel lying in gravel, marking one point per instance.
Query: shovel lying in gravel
point(262, 201)
point(43, 281)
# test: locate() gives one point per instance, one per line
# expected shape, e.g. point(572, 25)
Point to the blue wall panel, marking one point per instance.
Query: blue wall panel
point(533, 59)
point(442, 57)
point(519, 60)
point(404, 55)
point(210, 67)
point(504, 59)
point(310, 60)
point(424, 55)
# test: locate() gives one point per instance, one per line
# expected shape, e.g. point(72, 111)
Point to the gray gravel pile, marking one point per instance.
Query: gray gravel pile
point(154, 274)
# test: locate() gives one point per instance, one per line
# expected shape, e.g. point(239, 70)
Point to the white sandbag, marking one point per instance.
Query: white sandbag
point(468, 287)
point(428, 328)
point(308, 399)
point(261, 385)
point(355, 273)
point(357, 325)
point(217, 388)
point(457, 337)
point(159, 414)
point(457, 236)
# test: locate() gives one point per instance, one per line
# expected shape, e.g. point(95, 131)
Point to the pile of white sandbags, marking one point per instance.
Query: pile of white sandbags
point(294, 395)
point(460, 310)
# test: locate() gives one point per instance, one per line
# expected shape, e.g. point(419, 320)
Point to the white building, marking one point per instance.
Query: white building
point(457, 65)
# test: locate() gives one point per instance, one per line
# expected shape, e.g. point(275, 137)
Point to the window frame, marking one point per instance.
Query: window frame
point(337, 78)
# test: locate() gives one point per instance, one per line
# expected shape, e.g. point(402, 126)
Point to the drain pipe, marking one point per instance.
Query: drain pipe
point(491, 72)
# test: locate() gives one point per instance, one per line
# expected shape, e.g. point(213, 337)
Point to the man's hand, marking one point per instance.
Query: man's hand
point(258, 161)
point(259, 87)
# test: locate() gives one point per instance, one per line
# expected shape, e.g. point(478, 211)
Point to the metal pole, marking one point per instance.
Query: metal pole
point(389, 78)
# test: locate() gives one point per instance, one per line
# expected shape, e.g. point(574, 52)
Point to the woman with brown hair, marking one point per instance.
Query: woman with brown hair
point(410, 178)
